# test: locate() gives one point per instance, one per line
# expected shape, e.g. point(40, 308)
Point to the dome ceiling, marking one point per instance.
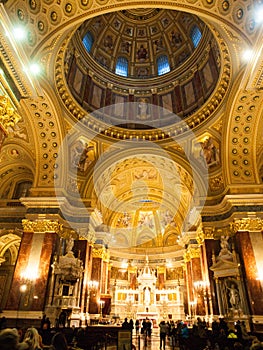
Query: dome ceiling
point(141, 37)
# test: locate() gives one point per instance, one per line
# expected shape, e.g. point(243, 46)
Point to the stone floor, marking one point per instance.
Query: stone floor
point(151, 343)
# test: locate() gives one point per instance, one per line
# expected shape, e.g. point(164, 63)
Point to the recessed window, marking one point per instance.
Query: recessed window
point(88, 41)
point(163, 65)
point(196, 35)
point(122, 66)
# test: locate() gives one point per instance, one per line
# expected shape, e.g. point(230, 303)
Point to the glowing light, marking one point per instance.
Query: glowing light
point(35, 68)
point(31, 273)
point(247, 55)
point(259, 15)
point(260, 275)
point(124, 265)
point(23, 288)
point(168, 263)
point(19, 33)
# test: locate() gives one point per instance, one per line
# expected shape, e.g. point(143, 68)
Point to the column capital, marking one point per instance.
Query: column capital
point(101, 253)
point(191, 253)
point(247, 224)
point(41, 226)
point(204, 233)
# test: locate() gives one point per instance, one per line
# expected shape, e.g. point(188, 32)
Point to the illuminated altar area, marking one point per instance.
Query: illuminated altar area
point(149, 297)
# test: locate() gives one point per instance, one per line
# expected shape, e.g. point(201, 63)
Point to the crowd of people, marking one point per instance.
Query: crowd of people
point(220, 336)
point(172, 335)
point(14, 339)
point(200, 336)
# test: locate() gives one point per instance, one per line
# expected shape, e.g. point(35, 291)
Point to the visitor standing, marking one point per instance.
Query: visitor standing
point(163, 333)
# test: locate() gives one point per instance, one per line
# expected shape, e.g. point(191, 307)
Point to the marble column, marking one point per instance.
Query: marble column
point(100, 260)
point(195, 279)
point(33, 265)
point(249, 239)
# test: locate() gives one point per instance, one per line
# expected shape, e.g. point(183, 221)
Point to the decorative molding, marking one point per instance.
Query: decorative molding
point(41, 226)
point(8, 116)
point(247, 224)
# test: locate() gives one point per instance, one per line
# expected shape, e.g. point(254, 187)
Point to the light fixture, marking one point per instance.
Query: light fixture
point(200, 286)
point(93, 285)
point(30, 274)
point(23, 288)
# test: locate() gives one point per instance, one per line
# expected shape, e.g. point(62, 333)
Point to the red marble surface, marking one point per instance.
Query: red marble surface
point(41, 284)
point(252, 285)
point(96, 269)
point(14, 295)
point(161, 280)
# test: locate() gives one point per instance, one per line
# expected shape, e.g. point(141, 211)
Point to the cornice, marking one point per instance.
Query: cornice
point(231, 204)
